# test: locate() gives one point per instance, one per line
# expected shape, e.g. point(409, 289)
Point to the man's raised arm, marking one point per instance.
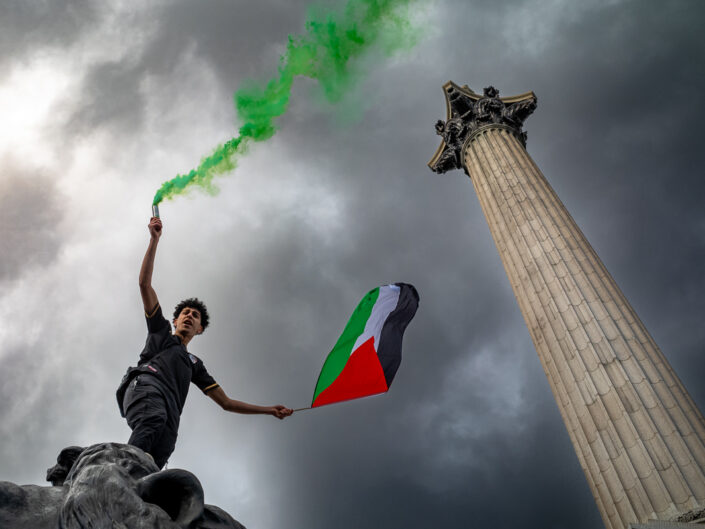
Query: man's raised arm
point(149, 296)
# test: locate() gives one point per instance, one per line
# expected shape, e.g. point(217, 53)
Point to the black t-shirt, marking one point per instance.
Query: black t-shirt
point(166, 358)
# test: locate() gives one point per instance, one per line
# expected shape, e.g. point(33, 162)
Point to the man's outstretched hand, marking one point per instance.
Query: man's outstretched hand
point(155, 227)
point(280, 411)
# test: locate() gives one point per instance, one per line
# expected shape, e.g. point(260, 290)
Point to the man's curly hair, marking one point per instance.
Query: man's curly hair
point(193, 303)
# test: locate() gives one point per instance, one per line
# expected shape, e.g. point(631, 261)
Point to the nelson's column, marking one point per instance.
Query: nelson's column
point(638, 435)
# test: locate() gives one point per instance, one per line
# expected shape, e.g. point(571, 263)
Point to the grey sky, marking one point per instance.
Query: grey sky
point(100, 106)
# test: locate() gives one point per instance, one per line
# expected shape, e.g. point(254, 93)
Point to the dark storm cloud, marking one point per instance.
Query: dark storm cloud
point(379, 482)
point(236, 40)
point(32, 26)
point(29, 214)
point(111, 97)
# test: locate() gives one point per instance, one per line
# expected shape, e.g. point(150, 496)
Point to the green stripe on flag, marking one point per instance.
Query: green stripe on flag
point(340, 354)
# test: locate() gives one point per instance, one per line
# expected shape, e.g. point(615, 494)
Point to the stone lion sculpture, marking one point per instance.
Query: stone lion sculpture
point(110, 486)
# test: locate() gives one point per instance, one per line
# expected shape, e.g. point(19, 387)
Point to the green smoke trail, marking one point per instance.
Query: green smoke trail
point(324, 53)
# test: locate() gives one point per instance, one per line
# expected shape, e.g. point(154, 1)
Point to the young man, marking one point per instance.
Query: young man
point(152, 395)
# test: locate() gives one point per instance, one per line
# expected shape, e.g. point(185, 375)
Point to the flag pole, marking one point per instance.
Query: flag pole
point(300, 409)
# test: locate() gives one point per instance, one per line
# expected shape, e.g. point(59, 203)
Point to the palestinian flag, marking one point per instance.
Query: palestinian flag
point(368, 353)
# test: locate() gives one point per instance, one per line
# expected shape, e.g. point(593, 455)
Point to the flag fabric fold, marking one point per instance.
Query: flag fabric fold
point(366, 357)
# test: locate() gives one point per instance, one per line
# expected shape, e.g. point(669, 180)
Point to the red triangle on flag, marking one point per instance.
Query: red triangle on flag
point(362, 376)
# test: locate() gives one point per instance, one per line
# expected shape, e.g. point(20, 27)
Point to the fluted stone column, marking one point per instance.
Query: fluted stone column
point(638, 435)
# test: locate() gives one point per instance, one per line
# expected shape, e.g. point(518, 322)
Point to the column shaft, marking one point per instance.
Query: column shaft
point(638, 435)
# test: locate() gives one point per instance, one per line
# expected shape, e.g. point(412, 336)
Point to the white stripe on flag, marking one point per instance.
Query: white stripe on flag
point(385, 304)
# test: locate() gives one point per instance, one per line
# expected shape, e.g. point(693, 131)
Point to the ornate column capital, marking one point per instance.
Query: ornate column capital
point(467, 112)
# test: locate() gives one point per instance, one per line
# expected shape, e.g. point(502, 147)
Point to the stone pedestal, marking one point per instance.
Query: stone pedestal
point(638, 435)
point(657, 524)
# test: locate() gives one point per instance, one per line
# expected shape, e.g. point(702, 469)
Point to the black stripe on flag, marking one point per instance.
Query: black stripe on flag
point(389, 349)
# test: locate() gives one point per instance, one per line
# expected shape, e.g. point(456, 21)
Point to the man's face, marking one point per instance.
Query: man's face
point(188, 322)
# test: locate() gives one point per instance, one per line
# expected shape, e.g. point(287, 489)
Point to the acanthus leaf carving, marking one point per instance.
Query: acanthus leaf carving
point(469, 112)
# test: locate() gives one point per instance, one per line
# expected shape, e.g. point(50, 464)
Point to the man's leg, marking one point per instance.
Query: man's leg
point(146, 413)
point(164, 446)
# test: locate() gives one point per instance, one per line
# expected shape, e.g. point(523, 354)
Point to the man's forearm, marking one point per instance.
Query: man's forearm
point(145, 279)
point(237, 406)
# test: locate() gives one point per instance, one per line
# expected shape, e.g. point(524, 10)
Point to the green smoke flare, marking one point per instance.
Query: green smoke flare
point(323, 53)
